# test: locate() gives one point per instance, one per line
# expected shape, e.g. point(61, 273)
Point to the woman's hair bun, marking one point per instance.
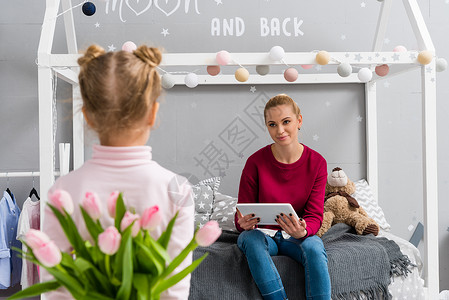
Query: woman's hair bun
point(92, 52)
point(149, 55)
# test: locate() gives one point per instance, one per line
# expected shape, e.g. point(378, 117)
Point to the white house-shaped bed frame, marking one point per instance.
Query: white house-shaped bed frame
point(66, 67)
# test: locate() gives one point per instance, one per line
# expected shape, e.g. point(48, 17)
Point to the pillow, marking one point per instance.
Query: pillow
point(365, 197)
point(223, 211)
point(203, 197)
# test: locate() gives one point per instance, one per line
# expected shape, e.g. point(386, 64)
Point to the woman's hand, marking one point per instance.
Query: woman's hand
point(294, 227)
point(247, 222)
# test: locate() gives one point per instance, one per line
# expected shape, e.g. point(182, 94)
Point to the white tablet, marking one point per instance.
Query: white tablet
point(267, 212)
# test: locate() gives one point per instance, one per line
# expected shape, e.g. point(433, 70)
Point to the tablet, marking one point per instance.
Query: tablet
point(267, 212)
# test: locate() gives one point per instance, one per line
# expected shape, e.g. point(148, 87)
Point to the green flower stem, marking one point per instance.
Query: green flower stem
point(107, 265)
point(60, 268)
point(176, 262)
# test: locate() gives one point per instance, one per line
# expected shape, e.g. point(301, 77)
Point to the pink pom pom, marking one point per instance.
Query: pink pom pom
point(382, 70)
point(400, 49)
point(129, 46)
point(223, 58)
point(291, 74)
point(213, 70)
point(307, 67)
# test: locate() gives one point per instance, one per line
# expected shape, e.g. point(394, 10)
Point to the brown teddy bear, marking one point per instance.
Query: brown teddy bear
point(340, 207)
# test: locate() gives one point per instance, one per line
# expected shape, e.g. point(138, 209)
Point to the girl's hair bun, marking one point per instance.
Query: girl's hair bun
point(149, 55)
point(92, 52)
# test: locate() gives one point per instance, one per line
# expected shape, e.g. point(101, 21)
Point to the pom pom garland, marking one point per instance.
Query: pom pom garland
point(213, 70)
point(277, 53)
point(88, 8)
point(129, 46)
point(440, 64)
point(365, 75)
point(291, 74)
point(262, 69)
point(167, 81)
point(323, 58)
point(191, 80)
point(344, 69)
point(241, 74)
point(223, 58)
point(382, 70)
point(425, 57)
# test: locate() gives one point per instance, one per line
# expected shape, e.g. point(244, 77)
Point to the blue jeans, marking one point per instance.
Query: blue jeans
point(259, 247)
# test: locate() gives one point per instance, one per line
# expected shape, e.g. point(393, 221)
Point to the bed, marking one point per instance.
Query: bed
point(226, 270)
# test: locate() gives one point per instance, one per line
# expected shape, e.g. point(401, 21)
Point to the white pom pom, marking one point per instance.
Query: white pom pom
point(365, 75)
point(441, 64)
point(277, 53)
point(167, 81)
point(191, 80)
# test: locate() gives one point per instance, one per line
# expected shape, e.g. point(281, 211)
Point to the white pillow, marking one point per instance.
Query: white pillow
point(365, 197)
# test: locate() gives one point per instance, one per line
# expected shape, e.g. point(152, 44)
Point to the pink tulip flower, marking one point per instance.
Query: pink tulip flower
point(61, 200)
point(208, 234)
point(112, 202)
point(109, 240)
point(128, 218)
point(49, 254)
point(151, 218)
point(91, 204)
point(36, 239)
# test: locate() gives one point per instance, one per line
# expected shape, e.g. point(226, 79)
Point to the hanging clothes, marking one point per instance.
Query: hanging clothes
point(29, 219)
point(10, 262)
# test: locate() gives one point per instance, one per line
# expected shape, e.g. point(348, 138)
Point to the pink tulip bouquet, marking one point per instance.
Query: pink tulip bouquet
point(124, 262)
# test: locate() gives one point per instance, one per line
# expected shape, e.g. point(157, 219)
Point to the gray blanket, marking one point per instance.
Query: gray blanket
point(358, 266)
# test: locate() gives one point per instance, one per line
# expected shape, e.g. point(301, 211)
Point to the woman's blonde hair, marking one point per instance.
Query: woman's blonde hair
point(280, 100)
point(118, 88)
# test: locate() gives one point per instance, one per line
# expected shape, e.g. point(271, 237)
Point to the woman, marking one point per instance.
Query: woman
point(285, 172)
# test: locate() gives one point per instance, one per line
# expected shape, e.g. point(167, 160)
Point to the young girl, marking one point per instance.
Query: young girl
point(285, 172)
point(119, 91)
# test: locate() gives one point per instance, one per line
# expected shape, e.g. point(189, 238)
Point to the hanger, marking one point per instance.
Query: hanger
point(7, 186)
point(33, 190)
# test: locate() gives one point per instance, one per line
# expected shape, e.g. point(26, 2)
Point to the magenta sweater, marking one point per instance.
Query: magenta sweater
point(302, 183)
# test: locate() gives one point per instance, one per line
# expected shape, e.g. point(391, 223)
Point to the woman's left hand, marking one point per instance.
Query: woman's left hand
point(294, 227)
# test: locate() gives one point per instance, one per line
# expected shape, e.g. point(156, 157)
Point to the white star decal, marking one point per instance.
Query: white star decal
point(204, 218)
point(429, 70)
point(386, 40)
point(359, 119)
point(224, 219)
point(218, 2)
point(358, 57)
point(97, 25)
point(412, 56)
point(318, 67)
point(363, 4)
point(165, 32)
point(252, 89)
point(201, 204)
point(111, 48)
point(315, 137)
point(386, 84)
point(206, 196)
point(395, 57)
point(343, 37)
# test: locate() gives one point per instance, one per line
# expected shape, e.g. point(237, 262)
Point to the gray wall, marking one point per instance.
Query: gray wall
point(224, 120)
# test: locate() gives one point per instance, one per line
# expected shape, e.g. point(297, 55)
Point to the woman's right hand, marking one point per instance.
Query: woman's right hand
point(247, 222)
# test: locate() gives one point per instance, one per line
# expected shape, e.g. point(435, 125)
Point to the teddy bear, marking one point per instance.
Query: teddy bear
point(340, 207)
